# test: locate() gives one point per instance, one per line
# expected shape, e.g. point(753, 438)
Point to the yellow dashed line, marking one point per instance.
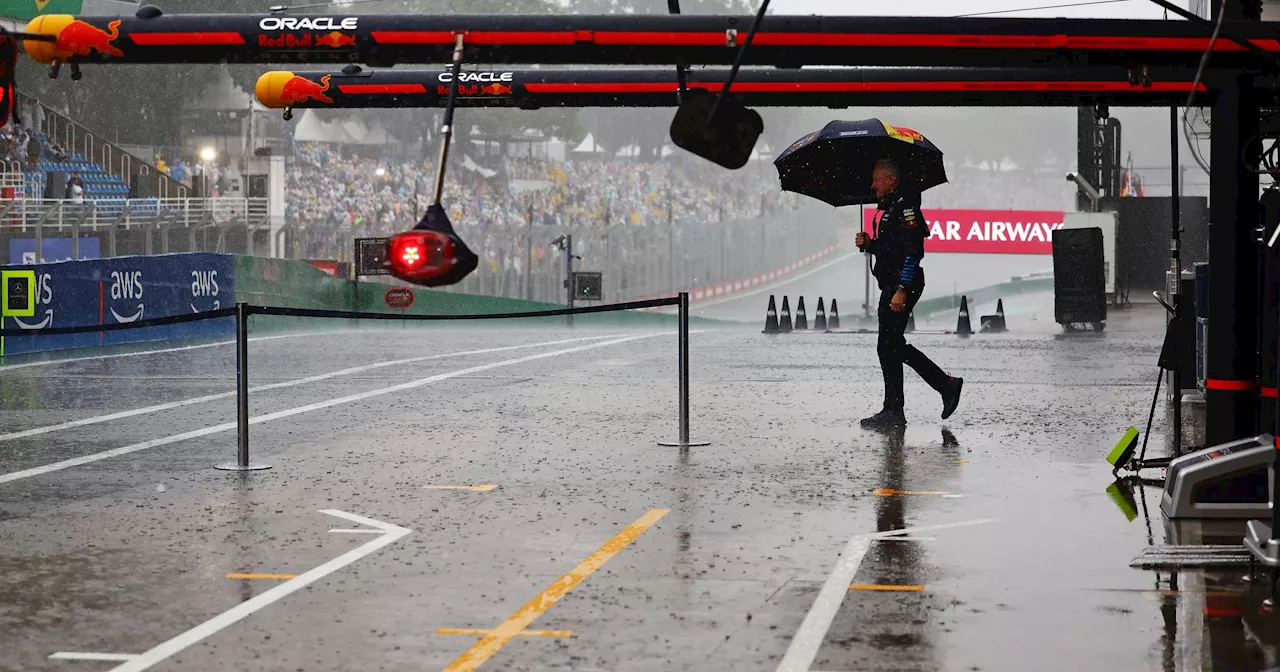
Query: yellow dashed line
point(523, 633)
point(962, 461)
point(239, 575)
point(887, 588)
point(498, 637)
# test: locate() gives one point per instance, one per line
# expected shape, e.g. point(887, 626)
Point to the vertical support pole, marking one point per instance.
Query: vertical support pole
point(1230, 379)
point(1175, 264)
point(242, 395)
point(683, 366)
point(527, 261)
point(568, 271)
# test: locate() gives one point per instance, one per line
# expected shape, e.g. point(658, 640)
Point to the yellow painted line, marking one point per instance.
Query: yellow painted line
point(889, 492)
point(497, 638)
point(523, 633)
point(962, 461)
point(238, 575)
point(887, 588)
point(472, 488)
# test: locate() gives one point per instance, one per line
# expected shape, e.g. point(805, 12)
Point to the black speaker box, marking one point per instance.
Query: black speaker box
point(1079, 279)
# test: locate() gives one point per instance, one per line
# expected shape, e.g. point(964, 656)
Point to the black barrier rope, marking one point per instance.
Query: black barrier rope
point(336, 314)
point(612, 307)
point(153, 322)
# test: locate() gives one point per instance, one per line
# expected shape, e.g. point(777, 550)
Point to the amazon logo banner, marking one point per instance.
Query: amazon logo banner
point(121, 290)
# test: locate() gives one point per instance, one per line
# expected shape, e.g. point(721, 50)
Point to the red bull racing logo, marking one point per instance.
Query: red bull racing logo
point(300, 89)
point(336, 40)
point(81, 39)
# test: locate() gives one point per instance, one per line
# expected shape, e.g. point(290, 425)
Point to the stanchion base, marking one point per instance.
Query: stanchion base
point(232, 466)
point(679, 444)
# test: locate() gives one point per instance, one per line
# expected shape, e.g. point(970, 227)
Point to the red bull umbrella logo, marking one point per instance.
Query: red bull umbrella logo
point(903, 133)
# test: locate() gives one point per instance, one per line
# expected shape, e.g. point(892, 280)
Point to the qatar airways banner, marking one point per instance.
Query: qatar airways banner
point(986, 231)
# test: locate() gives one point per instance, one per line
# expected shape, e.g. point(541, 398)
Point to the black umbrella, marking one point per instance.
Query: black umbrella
point(834, 164)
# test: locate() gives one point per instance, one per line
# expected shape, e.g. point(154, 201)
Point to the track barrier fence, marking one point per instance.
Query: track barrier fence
point(242, 312)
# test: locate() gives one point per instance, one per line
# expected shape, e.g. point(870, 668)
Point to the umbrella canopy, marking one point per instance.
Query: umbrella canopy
point(834, 165)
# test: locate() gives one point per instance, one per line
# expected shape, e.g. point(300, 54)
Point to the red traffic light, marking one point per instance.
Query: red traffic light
point(431, 254)
point(420, 256)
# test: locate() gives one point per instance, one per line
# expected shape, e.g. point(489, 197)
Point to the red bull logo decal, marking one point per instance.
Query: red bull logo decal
point(81, 39)
point(336, 40)
point(300, 89)
point(494, 89)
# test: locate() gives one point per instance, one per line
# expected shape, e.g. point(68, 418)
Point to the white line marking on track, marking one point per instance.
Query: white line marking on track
point(252, 339)
point(694, 307)
point(355, 531)
point(804, 646)
point(228, 426)
point(76, 655)
point(35, 431)
point(388, 534)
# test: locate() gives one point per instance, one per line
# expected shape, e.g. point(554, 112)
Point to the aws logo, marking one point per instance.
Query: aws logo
point(44, 297)
point(204, 284)
point(127, 285)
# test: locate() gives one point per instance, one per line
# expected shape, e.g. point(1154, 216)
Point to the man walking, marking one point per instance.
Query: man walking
point(897, 248)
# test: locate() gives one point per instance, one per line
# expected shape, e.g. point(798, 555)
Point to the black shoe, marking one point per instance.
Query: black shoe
point(951, 397)
point(885, 418)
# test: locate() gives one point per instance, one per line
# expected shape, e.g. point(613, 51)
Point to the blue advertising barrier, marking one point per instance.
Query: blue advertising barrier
point(23, 250)
point(122, 290)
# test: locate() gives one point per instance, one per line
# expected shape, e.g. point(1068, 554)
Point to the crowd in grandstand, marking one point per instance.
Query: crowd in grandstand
point(333, 197)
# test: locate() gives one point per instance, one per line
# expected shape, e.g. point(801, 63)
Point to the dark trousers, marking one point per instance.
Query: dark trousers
point(894, 351)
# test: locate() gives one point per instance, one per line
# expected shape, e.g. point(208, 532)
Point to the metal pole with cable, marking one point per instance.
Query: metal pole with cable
point(242, 396)
point(684, 440)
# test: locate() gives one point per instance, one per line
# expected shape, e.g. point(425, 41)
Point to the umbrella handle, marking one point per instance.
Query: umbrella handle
point(447, 129)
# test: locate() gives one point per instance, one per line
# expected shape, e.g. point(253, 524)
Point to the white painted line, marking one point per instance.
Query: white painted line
point(73, 655)
point(769, 286)
point(227, 426)
point(903, 538)
point(356, 531)
point(952, 496)
point(35, 431)
point(804, 646)
point(252, 339)
point(388, 534)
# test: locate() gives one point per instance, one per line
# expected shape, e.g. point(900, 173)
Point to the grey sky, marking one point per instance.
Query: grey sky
point(1127, 9)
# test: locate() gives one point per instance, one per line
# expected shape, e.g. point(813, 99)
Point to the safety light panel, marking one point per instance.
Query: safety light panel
point(419, 256)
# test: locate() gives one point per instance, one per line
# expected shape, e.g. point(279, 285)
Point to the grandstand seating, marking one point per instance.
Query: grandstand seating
point(98, 183)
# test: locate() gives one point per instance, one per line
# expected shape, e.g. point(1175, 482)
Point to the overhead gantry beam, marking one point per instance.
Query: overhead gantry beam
point(782, 41)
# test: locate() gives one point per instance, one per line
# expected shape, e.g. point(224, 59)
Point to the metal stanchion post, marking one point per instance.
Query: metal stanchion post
point(242, 395)
point(684, 441)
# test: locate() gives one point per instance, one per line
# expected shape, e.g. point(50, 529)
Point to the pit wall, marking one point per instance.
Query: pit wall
point(127, 289)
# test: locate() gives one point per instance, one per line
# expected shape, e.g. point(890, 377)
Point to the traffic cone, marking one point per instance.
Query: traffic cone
point(963, 328)
point(833, 319)
point(771, 318)
point(820, 317)
point(786, 315)
point(994, 324)
point(802, 320)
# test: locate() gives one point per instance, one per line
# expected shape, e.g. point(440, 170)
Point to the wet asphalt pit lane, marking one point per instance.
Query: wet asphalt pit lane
point(99, 558)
